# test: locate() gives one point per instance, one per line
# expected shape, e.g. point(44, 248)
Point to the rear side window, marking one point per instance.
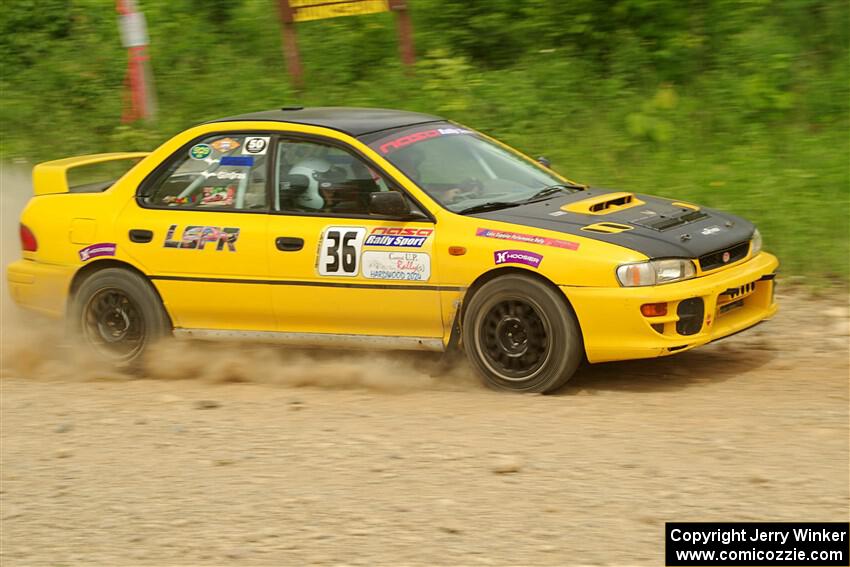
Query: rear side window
point(221, 172)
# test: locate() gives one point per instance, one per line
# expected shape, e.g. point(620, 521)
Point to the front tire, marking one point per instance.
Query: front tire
point(521, 335)
point(117, 315)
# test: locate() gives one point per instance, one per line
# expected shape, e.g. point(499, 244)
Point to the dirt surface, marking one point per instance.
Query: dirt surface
point(264, 457)
point(231, 455)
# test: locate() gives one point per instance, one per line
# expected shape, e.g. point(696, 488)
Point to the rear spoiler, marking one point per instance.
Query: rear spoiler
point(51, 177)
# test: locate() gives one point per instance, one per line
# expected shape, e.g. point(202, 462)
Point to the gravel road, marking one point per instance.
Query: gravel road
point(232, 456)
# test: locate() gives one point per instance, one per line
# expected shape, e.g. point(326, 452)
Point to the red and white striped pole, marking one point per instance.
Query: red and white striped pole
point(139, 97)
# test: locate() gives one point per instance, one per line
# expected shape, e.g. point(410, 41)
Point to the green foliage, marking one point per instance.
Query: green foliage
point(737, 104)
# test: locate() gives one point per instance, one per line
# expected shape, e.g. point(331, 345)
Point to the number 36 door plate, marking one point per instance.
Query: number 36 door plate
point(339, 254)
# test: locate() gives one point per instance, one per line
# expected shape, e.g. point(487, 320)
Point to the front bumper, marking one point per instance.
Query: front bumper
point(732, 300)
point(40, 287)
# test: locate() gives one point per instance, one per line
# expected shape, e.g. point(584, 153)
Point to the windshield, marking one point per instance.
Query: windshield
point(463, 170)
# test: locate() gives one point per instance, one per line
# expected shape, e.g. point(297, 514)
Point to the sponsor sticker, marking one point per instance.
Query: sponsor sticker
point(196, 237)
point(238, 161)
point(517, 257)
point(200, 151)
point(527, 238)
point(256, 145)
point(231, 175)
point(409, 139)
point(406, 266)
point(709, 230)
point(398, 237)
point(219, 195)
point(95, 250)
point(558, 213)
point(225, 145)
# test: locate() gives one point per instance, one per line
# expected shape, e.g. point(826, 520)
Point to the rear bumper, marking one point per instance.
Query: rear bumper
point(732, 300)
point(40, 287)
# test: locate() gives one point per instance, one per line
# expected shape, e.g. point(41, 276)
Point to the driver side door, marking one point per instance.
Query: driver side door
point(342, 272)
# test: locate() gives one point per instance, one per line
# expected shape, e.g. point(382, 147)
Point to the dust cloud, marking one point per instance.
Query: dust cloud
point(35, 347)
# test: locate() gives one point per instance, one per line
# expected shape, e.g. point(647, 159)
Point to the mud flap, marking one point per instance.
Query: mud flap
point(452, 351)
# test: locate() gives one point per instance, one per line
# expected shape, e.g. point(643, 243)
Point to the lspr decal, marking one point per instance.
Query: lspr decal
point(517, 257)
point(197, 237)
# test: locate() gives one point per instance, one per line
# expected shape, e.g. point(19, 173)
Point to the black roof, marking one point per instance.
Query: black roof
point(350, 120)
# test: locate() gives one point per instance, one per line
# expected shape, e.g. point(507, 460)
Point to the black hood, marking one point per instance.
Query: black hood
point(655, 227)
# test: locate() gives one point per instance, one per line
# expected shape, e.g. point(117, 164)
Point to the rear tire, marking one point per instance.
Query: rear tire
point(117, 316)
point(521, 335)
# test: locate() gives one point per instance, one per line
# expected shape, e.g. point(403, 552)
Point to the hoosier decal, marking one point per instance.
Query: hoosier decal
point(196, 237)
point(517, 257)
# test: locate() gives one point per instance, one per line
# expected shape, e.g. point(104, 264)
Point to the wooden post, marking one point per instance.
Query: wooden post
point(290, 45)
point(405, 32)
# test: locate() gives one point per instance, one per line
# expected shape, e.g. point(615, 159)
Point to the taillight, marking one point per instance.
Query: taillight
point(28, 241)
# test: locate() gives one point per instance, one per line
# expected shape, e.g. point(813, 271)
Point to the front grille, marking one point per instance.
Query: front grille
point(714, 260)
point(690, 314)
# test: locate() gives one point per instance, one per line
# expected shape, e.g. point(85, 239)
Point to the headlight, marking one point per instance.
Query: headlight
point(655, 272)
point(755, 248)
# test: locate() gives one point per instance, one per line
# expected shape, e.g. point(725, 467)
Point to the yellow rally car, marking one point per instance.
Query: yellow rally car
point(349, 227)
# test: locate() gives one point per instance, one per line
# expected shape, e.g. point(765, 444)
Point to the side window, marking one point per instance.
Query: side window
point(222, 172)
point(318, 178)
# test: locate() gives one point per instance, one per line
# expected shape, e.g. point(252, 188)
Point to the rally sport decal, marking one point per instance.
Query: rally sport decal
point(398, 237)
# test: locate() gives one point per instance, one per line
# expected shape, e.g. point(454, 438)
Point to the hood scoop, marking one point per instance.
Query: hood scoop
point(666, 222)
point(604, 204)
point(607, 227)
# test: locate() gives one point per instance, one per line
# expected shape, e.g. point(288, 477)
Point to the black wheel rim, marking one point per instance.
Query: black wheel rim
point(514, 339)
point(113, 324)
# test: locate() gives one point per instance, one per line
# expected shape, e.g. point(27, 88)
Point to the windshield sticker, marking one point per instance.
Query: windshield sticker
point(237, 161)
point(256, 146)
point(200, 151)
point(408, 139)
point(225, 145)
point(196, 237)
point(398, 237)
point(407, 266)
point(527, 238)
point(95, 250)
point(517, 257)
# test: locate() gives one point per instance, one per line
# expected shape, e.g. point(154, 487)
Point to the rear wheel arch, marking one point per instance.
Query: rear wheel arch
point(92, 268)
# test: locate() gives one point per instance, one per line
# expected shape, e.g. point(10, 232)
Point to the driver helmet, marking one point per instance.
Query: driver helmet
point(315, 170)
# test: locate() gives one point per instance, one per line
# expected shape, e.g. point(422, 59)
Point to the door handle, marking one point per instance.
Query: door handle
point(289, 244)
point(141, 236)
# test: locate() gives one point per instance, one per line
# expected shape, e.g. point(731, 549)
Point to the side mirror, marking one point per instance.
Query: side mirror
point(389, 204)
point(544, 161)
